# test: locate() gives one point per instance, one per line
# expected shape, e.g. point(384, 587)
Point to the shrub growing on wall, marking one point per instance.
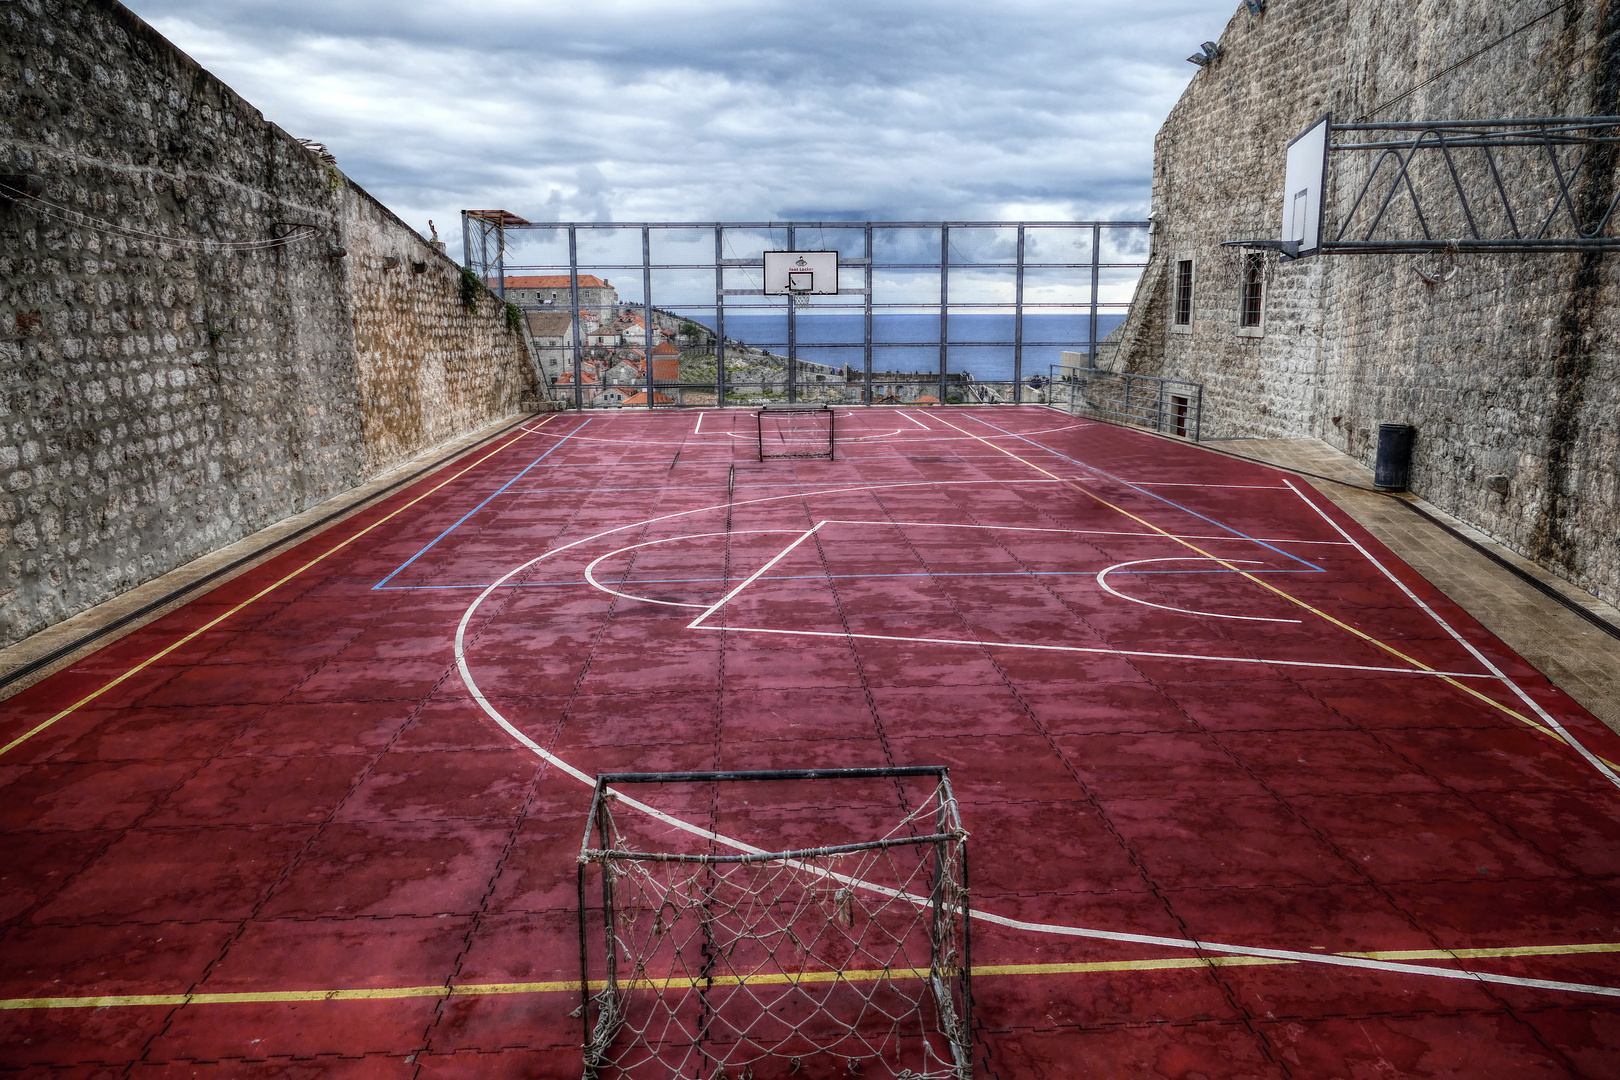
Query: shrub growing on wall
point(471, 288)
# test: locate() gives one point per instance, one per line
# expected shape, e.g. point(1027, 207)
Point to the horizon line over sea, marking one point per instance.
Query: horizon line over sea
point(978, 343)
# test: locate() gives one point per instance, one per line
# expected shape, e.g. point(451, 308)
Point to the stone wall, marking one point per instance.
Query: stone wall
point(428, 368)
point(169, 380)
point(1507, 369)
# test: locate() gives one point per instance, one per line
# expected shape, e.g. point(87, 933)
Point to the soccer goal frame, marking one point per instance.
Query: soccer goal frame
point(796, 431)
point(733, 961)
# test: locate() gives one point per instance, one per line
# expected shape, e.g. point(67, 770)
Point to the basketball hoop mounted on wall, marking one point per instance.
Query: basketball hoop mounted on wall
point(1449, 186)
point(801, 273)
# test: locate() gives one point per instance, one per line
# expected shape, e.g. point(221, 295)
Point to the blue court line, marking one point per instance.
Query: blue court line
point(839, 577)
point(477, 508)
point(1151, 495)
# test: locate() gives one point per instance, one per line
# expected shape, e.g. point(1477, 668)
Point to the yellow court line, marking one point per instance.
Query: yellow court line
point(154, 658)
point(1392, 650)
point(1473, 954)
point(480, 989)
point(395, 993)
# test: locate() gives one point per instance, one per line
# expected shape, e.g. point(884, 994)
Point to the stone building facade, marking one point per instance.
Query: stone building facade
point(204, 326)
point(1506, 366)
point(541, 291)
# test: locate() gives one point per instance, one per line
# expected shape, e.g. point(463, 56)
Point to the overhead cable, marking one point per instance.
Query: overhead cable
point(46, 208)
point(1470, 58)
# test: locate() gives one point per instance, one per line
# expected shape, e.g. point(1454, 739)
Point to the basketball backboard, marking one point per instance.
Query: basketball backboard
point(1302, 188)
point(801, 273)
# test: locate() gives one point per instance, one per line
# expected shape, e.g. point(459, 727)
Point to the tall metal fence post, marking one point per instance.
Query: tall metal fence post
point(577, 323)
point(483, 253)
point(500, 260)
point(1018, 324)
point(866, 312)
point(944, 306)
point(1125, 409)
point(719, 316)
point(793, 345)
point(466, 241)
point(1198, 421)
point(1096, 278)
point(647, 310)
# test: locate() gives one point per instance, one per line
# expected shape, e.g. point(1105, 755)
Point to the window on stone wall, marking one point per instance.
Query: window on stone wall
point(1184, 288)
point(1254, 275)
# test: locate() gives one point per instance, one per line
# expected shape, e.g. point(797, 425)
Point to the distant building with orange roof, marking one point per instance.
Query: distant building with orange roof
point(552, 290)
point(640, 398)
point(666, 362)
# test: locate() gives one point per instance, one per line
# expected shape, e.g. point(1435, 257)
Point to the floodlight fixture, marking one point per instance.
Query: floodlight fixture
point(1256, 7)
point(1211, 52)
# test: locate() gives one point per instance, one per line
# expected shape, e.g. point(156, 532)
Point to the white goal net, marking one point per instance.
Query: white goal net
point(795, 431)
point(832, 960)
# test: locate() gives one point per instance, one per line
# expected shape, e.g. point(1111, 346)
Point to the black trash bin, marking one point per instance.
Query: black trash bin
point(1394, 456)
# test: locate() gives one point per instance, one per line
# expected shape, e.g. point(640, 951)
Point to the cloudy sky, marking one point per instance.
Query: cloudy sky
point(694, 110)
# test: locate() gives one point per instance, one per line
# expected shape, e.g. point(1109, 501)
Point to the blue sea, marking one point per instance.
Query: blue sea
point(980, 344)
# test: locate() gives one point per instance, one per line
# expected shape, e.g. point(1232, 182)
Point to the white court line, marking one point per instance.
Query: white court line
point(1235, 538)
point(699, 423)
point(1213, 487)
point(1102, 580)
point(590, 570)
point(779, 556)
point(545, 755)
point(847, 439)
point(1496, 672)
point(1092, 650)
point(934, 434)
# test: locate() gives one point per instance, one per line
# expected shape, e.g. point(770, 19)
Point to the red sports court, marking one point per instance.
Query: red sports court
point(1244, 795)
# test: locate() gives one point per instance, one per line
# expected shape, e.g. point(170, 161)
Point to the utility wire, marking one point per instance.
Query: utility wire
point(83, 220)
point(1381, 106)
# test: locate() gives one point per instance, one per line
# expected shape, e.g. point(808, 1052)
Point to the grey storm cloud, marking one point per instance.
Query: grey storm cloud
point(635, 110)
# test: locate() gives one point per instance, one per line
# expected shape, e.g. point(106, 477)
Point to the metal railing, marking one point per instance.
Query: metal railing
point(953, 312)
point(1480, 186)
point(1168, 406)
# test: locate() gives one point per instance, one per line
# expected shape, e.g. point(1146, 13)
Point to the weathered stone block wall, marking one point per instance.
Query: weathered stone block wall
point(1507, 370)
point(169, 382)
point(428, 367)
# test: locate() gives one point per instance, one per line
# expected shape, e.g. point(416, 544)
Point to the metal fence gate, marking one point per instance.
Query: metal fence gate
point(675, 314)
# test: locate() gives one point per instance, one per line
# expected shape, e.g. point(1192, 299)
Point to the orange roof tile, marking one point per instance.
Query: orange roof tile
point(640, 398)
point(555, 281)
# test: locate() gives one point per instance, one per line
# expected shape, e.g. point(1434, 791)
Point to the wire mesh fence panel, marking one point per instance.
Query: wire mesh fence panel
point(960, 299)
point(851, 957)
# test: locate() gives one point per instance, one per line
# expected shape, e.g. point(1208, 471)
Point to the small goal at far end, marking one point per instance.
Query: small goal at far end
point(795, 431)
